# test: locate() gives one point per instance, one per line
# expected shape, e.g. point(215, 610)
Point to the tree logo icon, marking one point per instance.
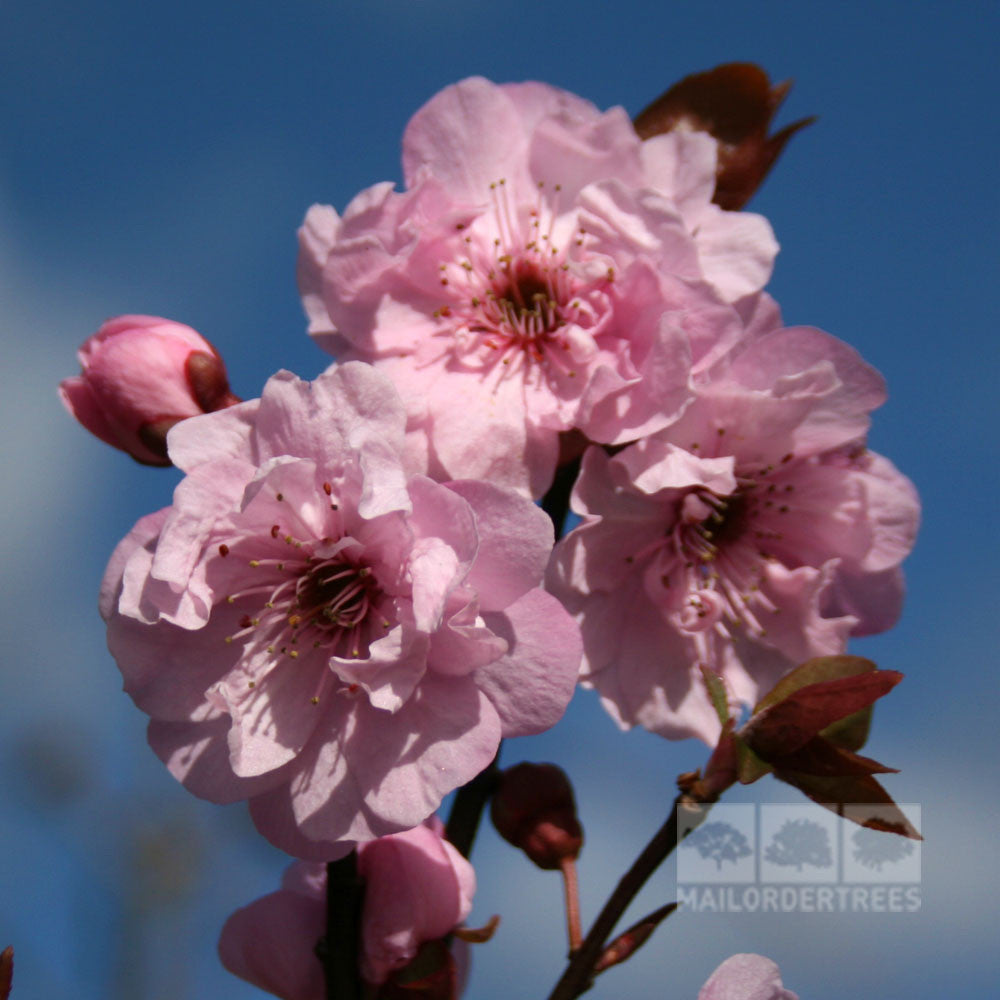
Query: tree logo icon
point(800, 842)
point(875, 848)
point(719, 842)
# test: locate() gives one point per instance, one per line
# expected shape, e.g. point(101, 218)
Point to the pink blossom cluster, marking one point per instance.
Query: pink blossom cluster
point(353, 596)
point(545, 271)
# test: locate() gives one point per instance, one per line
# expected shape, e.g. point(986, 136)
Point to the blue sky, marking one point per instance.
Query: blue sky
point(158, 158)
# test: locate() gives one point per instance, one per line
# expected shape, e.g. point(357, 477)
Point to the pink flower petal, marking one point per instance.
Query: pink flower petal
point(746, 977)
point(197, 755)
point(531, 685)
point(515, 540)
point(468, 136)
point(271, 943)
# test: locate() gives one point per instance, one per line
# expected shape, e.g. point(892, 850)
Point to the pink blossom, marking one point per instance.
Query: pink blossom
point(754, 533)
point(543, 270)
point(417, 888)
point(141, 375)
point(312, 629)
point(746, 977)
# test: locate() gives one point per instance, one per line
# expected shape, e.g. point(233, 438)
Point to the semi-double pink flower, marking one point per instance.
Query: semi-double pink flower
point(417, 888)
point(754, 533)
point(543, 270)
point(313, 629)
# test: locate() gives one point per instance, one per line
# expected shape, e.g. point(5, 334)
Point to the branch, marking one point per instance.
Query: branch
point(555, 503)
point(467, 809)
point(344, 895)
point(580, 970)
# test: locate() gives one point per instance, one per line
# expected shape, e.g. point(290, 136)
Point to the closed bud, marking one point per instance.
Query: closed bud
point(534, 809)
point(140, 376)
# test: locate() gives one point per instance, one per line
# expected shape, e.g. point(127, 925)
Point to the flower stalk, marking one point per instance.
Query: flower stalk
point(571, 888)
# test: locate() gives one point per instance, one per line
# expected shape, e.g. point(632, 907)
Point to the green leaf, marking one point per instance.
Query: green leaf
point(716, 692)
point(749, 767)
point(851, 732)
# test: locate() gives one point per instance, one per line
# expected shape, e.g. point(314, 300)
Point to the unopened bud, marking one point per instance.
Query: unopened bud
point(534, 809)
point(140, 376)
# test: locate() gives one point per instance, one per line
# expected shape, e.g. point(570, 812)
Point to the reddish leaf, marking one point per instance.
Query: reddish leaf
point(6, 971)
point(815, 671)
point(735, 103)
point(629, 942)
point(791, 723)
point(820, 757)
point(858, 797)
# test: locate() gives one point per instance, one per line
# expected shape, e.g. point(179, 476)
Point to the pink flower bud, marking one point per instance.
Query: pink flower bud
point(141, 375)
point(534, 810)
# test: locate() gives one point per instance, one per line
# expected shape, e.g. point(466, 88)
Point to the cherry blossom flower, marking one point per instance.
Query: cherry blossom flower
point(543, 270)
point(141, 375)
point(754, 533)
point(313, 630)
point(417, 888)
point(746, 977)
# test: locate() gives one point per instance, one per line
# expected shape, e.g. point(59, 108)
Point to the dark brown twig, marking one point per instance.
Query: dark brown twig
point(580, 970)
point(467, 809)
point(344, 897)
